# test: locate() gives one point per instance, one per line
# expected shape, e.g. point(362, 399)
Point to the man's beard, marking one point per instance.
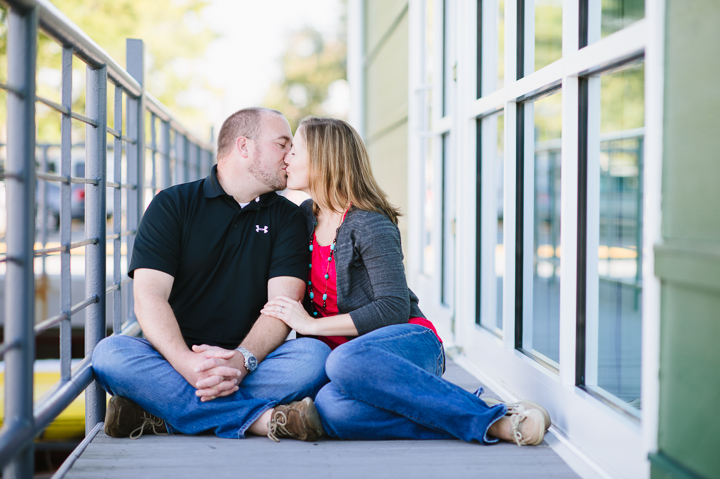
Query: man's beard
point(275, 182)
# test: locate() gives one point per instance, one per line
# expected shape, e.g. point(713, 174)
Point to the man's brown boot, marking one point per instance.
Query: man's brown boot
point(124, 418)
point(297, 420)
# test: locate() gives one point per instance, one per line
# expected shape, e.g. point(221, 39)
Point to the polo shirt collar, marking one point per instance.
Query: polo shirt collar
point(213, 189)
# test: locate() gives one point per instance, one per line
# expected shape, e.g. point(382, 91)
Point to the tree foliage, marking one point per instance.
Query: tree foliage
point(173, 34)
point(310, 65)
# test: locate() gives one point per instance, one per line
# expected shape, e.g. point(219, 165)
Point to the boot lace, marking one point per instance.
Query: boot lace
point(148, 421)
point(276, 426)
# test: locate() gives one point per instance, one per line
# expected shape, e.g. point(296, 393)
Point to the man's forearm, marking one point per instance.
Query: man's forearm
point(160, 327)
point(268, 333)
point(265, 336)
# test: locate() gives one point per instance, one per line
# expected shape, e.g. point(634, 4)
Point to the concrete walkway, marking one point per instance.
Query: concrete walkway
point(196, 457)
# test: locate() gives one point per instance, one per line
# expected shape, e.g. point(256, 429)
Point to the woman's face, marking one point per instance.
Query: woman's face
point(298, 164)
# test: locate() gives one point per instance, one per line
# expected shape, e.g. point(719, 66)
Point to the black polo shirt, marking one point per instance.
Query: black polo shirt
point(221, 256)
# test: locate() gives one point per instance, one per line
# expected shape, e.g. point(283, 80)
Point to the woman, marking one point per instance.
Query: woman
point(386, 366)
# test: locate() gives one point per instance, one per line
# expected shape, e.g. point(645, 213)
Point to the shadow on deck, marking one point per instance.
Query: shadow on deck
point(257, 457)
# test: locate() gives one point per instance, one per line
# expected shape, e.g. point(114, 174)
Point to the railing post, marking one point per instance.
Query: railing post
point(20, 191)
point(95, 227)
point(179, 158)
point(135, 54)
point(66, 215)
point(165, 147)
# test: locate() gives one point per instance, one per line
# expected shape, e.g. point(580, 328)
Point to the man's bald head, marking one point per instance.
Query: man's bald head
point(246, 122)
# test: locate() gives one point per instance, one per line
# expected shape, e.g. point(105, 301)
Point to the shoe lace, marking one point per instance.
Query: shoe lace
point(148, 421)
point(276, 425)
point(515, 421)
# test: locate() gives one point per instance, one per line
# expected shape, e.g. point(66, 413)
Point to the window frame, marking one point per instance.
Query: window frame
point(578, 415)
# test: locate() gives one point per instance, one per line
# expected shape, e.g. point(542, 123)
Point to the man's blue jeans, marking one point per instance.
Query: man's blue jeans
point(387, 385)
point(132, 368)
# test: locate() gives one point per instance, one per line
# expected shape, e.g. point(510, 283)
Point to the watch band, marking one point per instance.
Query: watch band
point(250, 359)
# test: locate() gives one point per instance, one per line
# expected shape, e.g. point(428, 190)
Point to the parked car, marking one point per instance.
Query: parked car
point(52, 200)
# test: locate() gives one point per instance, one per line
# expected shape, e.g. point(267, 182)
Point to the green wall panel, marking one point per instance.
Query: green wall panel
point(379, 17)
point(386, 84)
point(692, 129)
point(688, 261)
point(690, 382)
point(388, 155)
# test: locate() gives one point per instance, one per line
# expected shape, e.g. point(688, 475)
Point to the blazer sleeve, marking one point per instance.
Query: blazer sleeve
point(381, 253)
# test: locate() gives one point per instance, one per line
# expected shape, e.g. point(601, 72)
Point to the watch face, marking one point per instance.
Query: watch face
point(251, 364)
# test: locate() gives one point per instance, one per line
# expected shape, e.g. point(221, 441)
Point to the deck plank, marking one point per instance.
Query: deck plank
point(181, 457)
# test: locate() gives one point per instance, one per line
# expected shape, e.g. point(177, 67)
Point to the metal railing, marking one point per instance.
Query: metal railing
point(191, 157)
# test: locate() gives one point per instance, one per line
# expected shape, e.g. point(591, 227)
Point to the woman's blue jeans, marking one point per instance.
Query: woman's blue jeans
point(132, 368)
point(387, 384)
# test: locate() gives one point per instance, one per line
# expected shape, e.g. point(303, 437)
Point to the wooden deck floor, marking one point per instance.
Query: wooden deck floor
point(196, 457)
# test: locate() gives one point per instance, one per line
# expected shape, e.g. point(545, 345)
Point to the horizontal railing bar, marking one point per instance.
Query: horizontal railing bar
point(16, 436)
point(63, 394)
point(161, 111)
point(84, 119)
point(110, 184)
point(66, 247)
point(50, 322)
point(66, 179)
point(70, 461)
point(159, 152)
point(5, 347)
point(55, 106)
point(6, 87)
point(117, 134)
point(117, 286)
point(119, 235)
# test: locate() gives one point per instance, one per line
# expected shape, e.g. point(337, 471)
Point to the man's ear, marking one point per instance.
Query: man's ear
point(241, 145)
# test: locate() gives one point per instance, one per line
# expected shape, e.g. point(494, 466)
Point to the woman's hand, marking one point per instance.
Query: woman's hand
point(291, 313)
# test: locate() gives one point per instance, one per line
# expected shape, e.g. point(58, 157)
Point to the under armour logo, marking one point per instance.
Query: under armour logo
point(264, 229)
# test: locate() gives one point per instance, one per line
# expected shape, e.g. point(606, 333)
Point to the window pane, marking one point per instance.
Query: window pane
point(427, 60)
point(490, 206)
point(619, 257)
point(448, 59)
point(618, 14)
point(548, 32)
point(500, 207)
point(541, 324)
point(491, 47)
point(448, 226)
point(501, 43)
point(428, 208)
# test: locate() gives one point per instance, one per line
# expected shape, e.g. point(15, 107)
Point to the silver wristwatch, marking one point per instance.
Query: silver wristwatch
point(251, 361)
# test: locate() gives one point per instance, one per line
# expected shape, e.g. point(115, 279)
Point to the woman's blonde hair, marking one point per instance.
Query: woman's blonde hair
point(340, 171)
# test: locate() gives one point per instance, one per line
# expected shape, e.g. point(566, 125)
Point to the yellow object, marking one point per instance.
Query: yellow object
point(70, 424)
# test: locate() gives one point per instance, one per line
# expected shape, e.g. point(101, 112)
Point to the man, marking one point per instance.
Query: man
point(207, 257)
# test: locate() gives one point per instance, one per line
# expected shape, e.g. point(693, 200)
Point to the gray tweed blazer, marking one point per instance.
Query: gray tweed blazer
point(371, 283)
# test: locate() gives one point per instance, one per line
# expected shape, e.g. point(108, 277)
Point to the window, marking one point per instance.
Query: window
point(490, 244)
point(614, 236)
point(548, 31)
point(541, 250)
point(490, 46)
